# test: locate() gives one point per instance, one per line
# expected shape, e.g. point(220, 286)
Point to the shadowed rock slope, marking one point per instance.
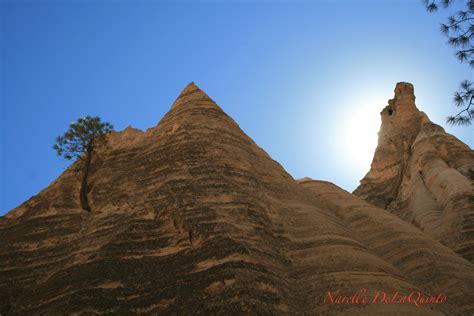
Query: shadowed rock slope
point(192, 217)
point(422, 174)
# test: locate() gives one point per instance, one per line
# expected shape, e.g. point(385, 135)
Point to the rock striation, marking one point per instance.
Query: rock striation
point(422, 174)
point(192, 217)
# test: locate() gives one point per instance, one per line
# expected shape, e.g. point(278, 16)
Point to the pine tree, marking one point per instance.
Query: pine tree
point(79, 142)
point(459, 28)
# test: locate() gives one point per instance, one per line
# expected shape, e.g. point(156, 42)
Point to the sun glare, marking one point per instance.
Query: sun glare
point(360, 135)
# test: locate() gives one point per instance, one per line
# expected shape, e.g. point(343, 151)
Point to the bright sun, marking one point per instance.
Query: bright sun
point(360, 135)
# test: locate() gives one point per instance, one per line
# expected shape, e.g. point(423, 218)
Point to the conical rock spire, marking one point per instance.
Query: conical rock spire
point(191, 93)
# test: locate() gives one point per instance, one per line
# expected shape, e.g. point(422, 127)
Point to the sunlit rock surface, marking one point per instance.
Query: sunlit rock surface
point(192, 217)
point(422, 174)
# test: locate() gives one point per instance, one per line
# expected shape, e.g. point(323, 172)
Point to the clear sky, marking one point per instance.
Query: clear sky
point(305, 79)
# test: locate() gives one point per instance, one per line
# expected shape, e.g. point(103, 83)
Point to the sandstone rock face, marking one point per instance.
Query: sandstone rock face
point(422, 174)
point(192, 217)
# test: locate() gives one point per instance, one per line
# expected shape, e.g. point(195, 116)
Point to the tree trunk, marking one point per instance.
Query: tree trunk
point(83, 194)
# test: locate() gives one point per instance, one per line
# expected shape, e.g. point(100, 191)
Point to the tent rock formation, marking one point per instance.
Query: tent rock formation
point(192, 217)
point(422, 174)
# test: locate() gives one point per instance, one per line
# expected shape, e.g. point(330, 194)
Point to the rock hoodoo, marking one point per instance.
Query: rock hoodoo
point(192, 217)
point(422, 174)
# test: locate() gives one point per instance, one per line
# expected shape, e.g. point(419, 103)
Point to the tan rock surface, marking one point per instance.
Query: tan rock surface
point(422, 174)
point(192, 217)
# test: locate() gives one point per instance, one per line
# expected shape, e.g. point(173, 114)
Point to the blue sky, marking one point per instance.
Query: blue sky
point(305, 79)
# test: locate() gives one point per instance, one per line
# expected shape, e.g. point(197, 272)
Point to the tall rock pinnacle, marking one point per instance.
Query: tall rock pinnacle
point(422, 174)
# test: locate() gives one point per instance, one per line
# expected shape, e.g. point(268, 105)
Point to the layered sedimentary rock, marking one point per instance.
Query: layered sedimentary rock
point(422, 174)
point(192, 217)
